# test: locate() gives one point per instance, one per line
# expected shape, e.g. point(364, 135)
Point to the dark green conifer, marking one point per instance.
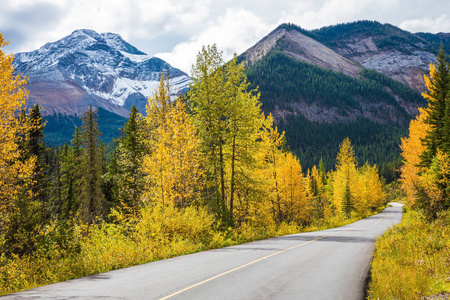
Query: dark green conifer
point(92, 203)
point(438, 95)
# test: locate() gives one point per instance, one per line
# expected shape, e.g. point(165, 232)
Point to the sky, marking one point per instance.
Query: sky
point(175, 30)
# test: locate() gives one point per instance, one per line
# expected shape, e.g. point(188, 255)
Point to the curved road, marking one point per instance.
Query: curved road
point(329, 264)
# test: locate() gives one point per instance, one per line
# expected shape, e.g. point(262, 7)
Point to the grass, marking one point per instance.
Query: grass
point(412, 259)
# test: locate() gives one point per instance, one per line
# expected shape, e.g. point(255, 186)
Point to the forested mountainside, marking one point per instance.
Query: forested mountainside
point(361, 80)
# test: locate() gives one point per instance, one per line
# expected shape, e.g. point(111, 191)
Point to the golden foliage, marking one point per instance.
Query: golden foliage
point(412, 259)
point(173, 162)
point(412, 148)
point(14, 169)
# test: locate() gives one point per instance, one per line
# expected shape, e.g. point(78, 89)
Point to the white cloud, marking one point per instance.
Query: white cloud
point(435, 25)
point(178, 28)
point(234, 32)
point(316, 14)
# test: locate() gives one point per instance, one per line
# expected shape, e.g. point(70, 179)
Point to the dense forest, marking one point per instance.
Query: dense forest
point(59, 127)
point(283, 80)
point(204, 171)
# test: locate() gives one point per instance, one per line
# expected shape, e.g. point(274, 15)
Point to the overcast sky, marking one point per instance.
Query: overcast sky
point(175, 30)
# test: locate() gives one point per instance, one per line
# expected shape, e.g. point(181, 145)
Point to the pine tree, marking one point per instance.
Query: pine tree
point(35, 147)
point(438, 95)
point(92, 203)
point(130, 153)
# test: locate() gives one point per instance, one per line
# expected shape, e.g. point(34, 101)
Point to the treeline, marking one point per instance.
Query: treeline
point(194, 173)
point(374, 143)
point(59, 127)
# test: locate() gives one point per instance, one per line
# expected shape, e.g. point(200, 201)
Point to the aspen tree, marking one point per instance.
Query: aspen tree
point(172, 163)
point(14, 167)
point(228, 119)
point(343, 177)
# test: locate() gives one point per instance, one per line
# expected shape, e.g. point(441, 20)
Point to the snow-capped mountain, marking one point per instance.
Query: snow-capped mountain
point(89, 68)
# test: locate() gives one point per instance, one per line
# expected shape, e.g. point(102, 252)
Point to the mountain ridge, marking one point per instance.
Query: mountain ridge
point(371, 101)
point(87, 68)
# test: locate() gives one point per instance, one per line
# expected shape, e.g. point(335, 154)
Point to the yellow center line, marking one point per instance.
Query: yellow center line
point(262, 258)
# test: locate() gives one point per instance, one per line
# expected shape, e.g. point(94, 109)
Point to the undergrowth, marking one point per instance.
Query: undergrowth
point(412, 259)
point(158, 233)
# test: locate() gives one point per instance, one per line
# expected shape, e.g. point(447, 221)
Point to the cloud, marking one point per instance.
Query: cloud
point(26, 23)
point(177, 29)
point(316, 14)
point(33, 23)
point(435, 25)
point(233, 32)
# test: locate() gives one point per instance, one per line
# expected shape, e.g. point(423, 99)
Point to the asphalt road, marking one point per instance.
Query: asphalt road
point(329, 264)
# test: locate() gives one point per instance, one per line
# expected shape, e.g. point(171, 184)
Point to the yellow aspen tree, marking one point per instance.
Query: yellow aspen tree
point(293, 204)
point(268, 157)
point(431, 185)
point(412, 149)
point(13, 167)
point(376, 193)
point(360, 189)
point(344, 175)
point(186, 172)
point(173, 163)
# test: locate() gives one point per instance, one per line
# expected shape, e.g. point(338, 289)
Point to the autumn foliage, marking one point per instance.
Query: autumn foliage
point(198, 172)
point(426, 151)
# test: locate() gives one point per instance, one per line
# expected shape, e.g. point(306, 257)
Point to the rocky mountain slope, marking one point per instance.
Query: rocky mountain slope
point(361, 80)
point(399, 54)
point(85, 68)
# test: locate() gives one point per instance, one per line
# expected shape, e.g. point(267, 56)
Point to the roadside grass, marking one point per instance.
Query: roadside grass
point(412, 259)
point(160, 233)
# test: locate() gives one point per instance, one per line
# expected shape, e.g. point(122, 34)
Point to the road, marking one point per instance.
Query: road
point(329, 264)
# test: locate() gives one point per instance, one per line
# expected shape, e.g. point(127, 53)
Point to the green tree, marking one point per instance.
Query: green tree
point(92, 203)
point(130, 153)
point(438, 93)
point(35, 147)
point(228, 118)
point(209, 105)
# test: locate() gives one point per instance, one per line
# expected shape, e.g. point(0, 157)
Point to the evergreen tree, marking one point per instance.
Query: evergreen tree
point(130, 153)
point(438, 95)
point(35, 146)
point(92, 203)
point(71, 170)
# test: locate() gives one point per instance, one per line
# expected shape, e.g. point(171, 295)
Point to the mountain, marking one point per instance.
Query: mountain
point(361, 79)
point(85, 68)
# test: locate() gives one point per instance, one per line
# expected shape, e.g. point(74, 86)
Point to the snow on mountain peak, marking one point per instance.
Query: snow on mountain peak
point(115, 41)
point(102, 66)
point(88, 32)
